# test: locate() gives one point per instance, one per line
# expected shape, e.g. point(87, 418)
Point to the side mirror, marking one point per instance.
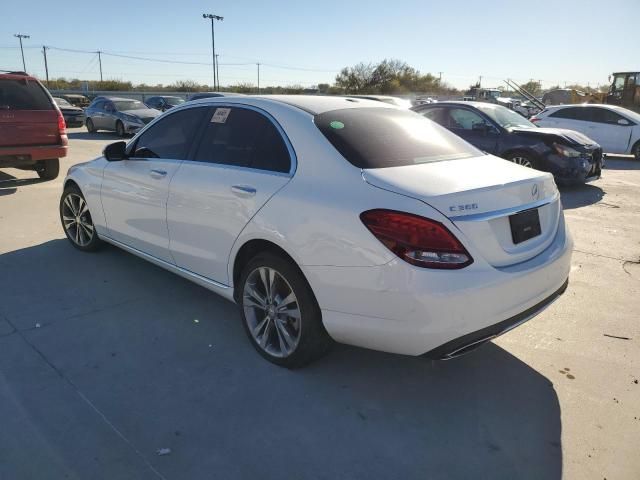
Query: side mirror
point(622, 121)
point(115, 152)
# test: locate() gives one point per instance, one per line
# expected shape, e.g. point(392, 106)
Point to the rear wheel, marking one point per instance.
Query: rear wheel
point(522, 159)
point(280, 313)
point(48, 169)
point(120, 129)
point(76, 220)
point(90, 126)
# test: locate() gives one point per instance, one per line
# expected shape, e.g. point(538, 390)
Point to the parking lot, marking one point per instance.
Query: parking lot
point(106, 359)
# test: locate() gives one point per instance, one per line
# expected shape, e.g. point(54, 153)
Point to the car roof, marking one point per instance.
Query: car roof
point(316, 104)
point(455, 102)
point(102, 97)
point(6, 75)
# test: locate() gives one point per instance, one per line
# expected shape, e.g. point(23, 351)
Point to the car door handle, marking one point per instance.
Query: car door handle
point(157, 173)
point(243, 190)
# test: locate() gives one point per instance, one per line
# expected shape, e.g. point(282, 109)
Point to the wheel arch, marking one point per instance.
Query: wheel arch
point(250, 249)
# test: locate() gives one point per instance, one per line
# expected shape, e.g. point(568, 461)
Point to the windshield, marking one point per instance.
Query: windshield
point(62, 102)
point(122, 105)
point(504, 117)
point(173, 101)
point(386, 137)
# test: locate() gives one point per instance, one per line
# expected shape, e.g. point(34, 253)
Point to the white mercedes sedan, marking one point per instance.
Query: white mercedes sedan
point(330, 219)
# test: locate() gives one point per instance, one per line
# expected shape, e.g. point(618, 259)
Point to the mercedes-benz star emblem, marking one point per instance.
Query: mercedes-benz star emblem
point(534, 191)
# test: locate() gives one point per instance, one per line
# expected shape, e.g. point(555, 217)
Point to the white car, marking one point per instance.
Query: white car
point(330, 218)
point(616, 129)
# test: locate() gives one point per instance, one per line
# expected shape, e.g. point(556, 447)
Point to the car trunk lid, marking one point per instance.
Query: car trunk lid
point(479, 195)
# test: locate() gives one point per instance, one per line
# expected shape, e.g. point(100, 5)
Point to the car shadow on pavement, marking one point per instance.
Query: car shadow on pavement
point(112, 342)
point(9, 184)
point(580, 195)
point(94, 136)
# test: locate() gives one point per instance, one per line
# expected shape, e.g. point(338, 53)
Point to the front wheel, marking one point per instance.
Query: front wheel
point(280, 313)
point(48, 169)
point(76, 220)
point(90, 126)
point(522, 159)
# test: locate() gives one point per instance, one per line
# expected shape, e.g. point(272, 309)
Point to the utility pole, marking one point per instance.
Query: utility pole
point(213, 17)
point(20, 36)
point(100, 62)
point(480, 82)
point(218, 72)
point(258, 64)
point(46, 67)
point(440, 77)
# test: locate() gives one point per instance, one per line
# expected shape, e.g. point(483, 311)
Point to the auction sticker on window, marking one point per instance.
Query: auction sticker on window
point(220, 115)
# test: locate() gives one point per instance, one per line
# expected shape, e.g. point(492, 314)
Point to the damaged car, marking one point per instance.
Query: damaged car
point(572, 158)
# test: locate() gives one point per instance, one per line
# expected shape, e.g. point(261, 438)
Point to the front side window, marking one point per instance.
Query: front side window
point(171, 136)
point(174, 101)
point(463, 119)
point(603, 115)
point(386, 137)
point(243, 138)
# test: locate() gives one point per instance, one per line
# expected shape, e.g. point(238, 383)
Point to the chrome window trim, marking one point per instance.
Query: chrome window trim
point(483, 217)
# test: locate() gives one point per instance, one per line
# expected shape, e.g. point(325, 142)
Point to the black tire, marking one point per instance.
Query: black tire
point(314, 341)
point(90, 126)
point(94, 243)
point(120, 129)
point(48, 169)
point(636, 151)
point(522, 158)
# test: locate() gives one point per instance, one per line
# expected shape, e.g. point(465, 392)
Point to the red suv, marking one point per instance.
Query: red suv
point(32, 130)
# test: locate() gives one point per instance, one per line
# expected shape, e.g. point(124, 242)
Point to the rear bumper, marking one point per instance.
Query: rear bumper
point(473, 340)
point(28, 155)
point(400, 308)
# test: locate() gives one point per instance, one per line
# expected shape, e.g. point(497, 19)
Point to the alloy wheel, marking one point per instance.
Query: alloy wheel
point(524, 161)
point(272, 312)
point(77, 220)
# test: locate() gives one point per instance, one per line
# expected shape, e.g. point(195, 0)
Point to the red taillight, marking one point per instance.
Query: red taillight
point(62, 126)
point(534, 119)
point(417, 240)
point(62, 129)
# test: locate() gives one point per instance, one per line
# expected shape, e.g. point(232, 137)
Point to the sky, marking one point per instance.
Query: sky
point(306, 43)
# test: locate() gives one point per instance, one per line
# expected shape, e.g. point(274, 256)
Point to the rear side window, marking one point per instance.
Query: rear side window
point(171, 136)
point(22, 94)
point(243, 138)
point(385, 137)
point(572, 113)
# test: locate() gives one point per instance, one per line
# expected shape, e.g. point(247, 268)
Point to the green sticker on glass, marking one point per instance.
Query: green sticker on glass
point(336, 124)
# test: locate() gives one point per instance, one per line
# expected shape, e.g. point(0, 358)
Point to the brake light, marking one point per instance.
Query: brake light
point(62, 129)
point(534, 119)
point(417, 240)
point(62, 126)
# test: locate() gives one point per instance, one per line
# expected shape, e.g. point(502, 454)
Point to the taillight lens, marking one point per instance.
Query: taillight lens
point(62, 126)
point(417, 240)
point(534, 119)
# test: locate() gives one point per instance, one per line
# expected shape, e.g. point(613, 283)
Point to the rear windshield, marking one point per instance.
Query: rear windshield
point(386, 137)
point(23, 94)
